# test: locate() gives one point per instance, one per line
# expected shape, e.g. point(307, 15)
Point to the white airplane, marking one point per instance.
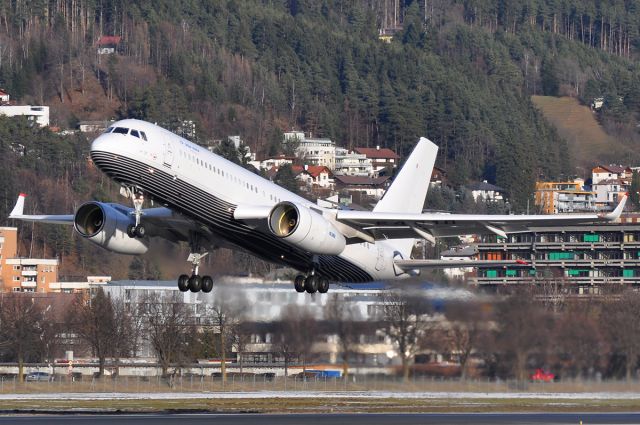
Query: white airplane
point(211, 202)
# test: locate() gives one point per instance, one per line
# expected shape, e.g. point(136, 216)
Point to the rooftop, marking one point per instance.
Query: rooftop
point(362, 180)
point(377, 152)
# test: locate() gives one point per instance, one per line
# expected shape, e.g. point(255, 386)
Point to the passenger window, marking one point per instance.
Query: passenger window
point(135, 133)
point(144, 136)
point(121, 130)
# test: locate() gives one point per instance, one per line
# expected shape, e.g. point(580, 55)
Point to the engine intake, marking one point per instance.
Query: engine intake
point(305, 228)
point(106, 226)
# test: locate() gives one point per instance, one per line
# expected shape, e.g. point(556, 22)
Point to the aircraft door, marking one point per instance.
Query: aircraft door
point(168, 155)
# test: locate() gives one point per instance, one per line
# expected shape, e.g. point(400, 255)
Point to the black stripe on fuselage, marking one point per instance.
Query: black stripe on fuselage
point(218, 216)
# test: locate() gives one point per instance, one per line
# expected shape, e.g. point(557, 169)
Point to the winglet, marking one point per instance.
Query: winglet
point(18, 209)
point(615, 214)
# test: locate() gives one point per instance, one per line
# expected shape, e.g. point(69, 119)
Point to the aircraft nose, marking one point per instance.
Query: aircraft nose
point(102, 143)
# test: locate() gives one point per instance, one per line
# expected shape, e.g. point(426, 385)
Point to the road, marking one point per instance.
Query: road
point(322, 419)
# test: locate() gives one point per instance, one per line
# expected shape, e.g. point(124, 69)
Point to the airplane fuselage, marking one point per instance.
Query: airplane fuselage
point(207, 188)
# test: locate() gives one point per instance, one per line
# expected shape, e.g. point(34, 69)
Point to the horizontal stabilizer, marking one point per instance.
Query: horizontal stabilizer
point(454, 264)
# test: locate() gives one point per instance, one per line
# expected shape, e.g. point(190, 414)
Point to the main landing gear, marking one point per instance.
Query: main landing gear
point(195, 283)
point(311, 283)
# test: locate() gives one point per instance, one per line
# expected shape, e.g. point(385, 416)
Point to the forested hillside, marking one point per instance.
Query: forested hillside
point(460, 72)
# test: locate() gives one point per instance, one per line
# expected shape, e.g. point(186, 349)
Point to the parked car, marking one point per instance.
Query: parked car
point(39, 377)
point(541, 375)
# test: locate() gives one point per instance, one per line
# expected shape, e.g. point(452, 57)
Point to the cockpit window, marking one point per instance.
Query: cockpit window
point(135, 133)
point(108, 130)
point(144, 136)
point(121, 130)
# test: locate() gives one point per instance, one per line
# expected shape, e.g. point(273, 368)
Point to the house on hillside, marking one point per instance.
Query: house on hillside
point(4, 96)
point(373, 187)
point(381, 159)
point(108, 44)
point(612, 171)
point(487, 192)
point(564, 197)
point(314, 176)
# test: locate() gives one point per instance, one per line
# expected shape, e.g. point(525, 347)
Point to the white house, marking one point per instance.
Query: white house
point(313, 151)
point(37, 114)
point(486, 192)
point(381, 158)
point(352, 163)
point(460, 253)
point(607, 172)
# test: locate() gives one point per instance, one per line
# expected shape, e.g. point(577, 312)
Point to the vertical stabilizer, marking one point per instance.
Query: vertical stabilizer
point(408, 191)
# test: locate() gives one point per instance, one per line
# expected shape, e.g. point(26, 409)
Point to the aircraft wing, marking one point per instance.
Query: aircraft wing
point(160, 221)
point(18, 214)
point(454, 264)
point(386, 225)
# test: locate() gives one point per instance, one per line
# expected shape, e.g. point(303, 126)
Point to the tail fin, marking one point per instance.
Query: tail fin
point(408, 191)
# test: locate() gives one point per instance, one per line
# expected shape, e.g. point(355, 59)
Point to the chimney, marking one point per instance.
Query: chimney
point(378, 147)
point(306, 167)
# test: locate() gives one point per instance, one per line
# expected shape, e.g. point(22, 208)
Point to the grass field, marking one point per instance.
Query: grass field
point(588, 143)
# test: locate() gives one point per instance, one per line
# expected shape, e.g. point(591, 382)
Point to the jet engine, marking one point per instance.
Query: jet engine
point(305, 228)
point(106, 226)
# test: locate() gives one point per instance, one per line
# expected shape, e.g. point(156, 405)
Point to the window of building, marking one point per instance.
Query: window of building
point(16, 278)
point(16, 267)
point(17, 289)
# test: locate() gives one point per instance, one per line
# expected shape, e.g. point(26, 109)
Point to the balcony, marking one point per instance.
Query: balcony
point(29, 273)
point(28, 284)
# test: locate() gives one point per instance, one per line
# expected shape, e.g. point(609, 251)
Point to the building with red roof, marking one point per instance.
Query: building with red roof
point(381, 158)
point(108, 44)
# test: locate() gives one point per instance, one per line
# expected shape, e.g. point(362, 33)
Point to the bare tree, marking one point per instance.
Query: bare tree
point(304, 332)
point(21, 321)
point(241, 337)
point(404, 318)
point(94, 322)
point(169, 329)
point(465, 321)
point(227, 312)
point(124, 332)
point(579, 339)
point(522, 331)
point(623, 327)
point(341, 319)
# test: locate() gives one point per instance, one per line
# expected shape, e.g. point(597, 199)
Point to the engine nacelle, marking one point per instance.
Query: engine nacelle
point(104, 225)
point(305, 228)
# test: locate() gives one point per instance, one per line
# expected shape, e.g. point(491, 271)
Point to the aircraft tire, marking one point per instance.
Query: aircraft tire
point(323, 285)
point(183, 283)
point(207, 284)
point(195, 283)
point(311, 284)
point(131, 231)
point(298, 283)
point(140, 231)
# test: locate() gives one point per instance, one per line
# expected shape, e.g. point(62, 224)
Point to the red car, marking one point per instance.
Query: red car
point(541, 376)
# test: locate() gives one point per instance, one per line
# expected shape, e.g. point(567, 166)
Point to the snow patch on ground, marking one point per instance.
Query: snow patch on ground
point(322, 394)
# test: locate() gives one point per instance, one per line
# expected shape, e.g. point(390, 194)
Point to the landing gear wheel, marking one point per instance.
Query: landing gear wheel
point(131, 231)
point(195, 283)
point(298, 283)
point(207, 284)
point(311, 284)
point(323, 285)
point(140, 231)
point(183, 283)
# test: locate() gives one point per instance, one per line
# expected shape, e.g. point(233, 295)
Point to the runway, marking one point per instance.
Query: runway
point(326, 419)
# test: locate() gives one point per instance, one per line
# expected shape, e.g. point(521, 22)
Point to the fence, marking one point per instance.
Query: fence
point(316, 384)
